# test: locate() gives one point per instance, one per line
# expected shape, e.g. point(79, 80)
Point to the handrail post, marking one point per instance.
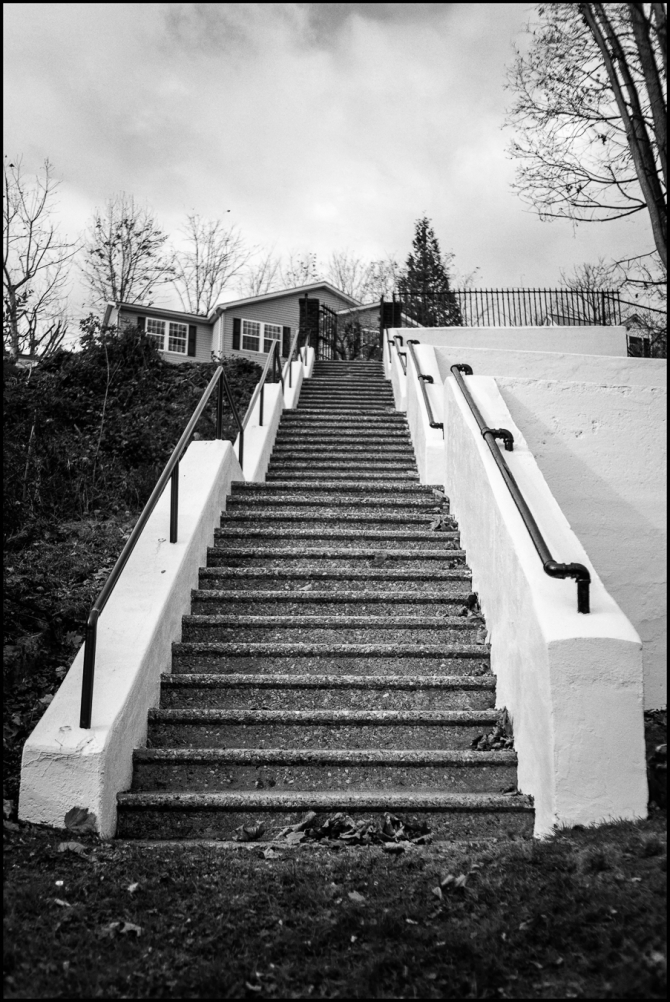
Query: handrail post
point(219, 410)
point(260, 406)
point(174, 503)
point(89, 669)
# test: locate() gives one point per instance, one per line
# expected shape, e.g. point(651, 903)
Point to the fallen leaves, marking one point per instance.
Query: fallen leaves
point(80, 820)
point(341, 828)
point(76, 847)
point(500, 737)
point(248, 833)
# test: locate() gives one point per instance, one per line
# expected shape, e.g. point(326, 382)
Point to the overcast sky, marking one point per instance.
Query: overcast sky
point(320, 126)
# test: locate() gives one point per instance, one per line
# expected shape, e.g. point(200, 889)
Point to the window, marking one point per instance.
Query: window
point(175, 334)
point(271, 332)
point(252, 335)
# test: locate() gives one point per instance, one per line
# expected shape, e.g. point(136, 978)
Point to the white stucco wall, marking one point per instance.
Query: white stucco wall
point(64, 766)
point(602, 450)
point(572, 683)
point(428, 442)
point(612, 371)
point(579, 340)
point(259, 439)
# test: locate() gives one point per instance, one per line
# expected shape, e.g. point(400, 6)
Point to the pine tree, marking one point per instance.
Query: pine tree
point(424, 286)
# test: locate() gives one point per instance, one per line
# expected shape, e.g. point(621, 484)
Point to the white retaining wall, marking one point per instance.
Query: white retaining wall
point(428, 442)
point(603, 452)
point(572, 683)
point(64, 766)
point(579, 340)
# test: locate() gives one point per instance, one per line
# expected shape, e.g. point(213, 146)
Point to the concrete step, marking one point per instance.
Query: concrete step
point(353, 417)
point(242, 514)
point(304, 558)
point(448, 540)
point(202, 728)
point(448, 816)
point(308, 450)
point(334, 659)
point(455, 582)
point(327, 691)
point(332, 488)
point(220, 769)
point(304, 476)
point(349, 465)
point(380, 602)
point(333, 629)
point(401, 502)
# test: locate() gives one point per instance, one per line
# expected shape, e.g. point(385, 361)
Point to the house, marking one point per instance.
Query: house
point(243, 327)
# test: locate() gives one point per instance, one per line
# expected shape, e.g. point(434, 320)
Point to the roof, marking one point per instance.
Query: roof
point(159, 311)
point(278, 294)
point(360, 308)
point(235, 303)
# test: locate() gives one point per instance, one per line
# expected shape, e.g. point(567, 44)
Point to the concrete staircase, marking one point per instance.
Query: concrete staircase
point(327, 663)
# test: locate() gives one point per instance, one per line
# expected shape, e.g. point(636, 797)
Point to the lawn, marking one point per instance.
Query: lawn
point(580, 915)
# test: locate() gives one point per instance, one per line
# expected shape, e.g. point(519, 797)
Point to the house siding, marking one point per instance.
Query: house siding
point(203, 336)
point(284, 311)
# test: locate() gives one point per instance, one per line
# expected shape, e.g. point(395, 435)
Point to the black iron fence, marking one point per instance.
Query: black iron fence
point(502, 308)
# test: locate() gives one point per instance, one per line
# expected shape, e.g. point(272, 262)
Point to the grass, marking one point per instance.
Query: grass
point(581, 915)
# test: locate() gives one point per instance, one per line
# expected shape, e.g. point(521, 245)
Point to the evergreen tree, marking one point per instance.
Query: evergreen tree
point(424, 286)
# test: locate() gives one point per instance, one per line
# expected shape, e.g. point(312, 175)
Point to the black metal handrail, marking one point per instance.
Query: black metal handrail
point(550, 566)
point(273, 361)
point(423, 379)
point(170, 472)
point(291, 355)
point(402, 355)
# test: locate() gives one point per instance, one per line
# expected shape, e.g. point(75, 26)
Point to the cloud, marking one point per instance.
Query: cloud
point(319, 125)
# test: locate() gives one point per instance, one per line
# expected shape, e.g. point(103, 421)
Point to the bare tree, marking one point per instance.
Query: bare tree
point(126, 257)
point(215, 255)
point(590, 113)
point(299, 269)
point(261, 274)
point(366, 281)
point(35, 266)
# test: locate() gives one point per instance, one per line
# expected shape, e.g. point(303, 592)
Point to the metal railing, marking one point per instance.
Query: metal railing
point(423, 379)
point(502, 308)
point(170, 472)
point(288, 364)
point(402, 356)
point(273, 361)
point(550, 566)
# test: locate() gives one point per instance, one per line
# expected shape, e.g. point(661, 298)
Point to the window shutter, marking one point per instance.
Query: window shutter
point(191, 339)
point(285, 341)
point(141, 323)
point(237, 324)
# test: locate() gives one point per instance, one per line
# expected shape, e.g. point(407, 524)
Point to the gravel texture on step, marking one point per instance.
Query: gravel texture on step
point(344, 534)
point(336, 517)
point(225, 659)
point(218, 816)
point(387, 555)
point(328, 697)
point(201, 628)
point(327, 603)
point(400, 502)
point(454, 587)
point(210, 775)
point(282, 734)
point(329, 487)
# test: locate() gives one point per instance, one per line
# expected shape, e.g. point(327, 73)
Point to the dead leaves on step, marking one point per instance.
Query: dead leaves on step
point(341, 829)
point(500, 737)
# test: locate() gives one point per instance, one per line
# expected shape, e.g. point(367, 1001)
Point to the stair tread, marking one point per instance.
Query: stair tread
point(330, 799)
point(447, 682)
point(329, 756)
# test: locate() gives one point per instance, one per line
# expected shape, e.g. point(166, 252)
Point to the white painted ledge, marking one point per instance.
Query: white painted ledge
point(428, 442)
point(259, 439)
point(610, 341)
point(309, 356)
point(292, 392)
point(573, 683)
point(64, 766)
point(398, 379)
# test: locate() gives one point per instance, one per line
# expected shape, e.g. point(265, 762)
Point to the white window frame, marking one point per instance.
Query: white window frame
point(167, 334)
point(261, 338)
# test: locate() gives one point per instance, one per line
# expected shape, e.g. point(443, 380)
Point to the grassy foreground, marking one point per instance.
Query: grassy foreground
point(581, 915)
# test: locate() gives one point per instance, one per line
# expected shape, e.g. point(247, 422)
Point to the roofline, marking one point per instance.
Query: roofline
point(222, 307)
point(162, 311)
point(360, 307)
